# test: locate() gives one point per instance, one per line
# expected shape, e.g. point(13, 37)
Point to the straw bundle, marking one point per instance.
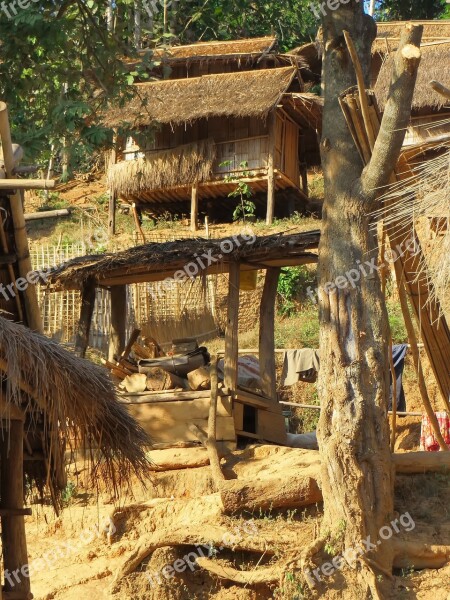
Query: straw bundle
point(67, 397)
point(184, 165)
point(426, 195)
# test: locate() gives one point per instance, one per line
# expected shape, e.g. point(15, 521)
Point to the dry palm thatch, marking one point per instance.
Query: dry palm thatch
point(433, 65)
point(242, 94)
point(158, 170)
point(219, 49)
point(388, 34)
point(65, 397)
point(423, 196)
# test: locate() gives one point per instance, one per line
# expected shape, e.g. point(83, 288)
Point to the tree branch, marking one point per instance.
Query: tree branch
point(440, 89)
point(396, 114)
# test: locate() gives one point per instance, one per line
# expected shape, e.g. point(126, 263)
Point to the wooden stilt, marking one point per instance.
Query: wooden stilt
point(15, 556)
point(271, 171)
point(118, 329)
point(194, 207)
point(84, 324)
point(267, 334)
point(231, 334)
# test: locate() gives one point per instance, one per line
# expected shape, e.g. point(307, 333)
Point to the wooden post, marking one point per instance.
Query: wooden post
point(416, 357)
point(118, 329)
point(15, 556)
point(112, 195)
point(84, 324)
point(267, 334)
point(194, 207)
point(33, 313)
point(231, 333)
point(271, 169)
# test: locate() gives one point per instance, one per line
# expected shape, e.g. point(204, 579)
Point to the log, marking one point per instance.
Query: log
point(194, 207)
point(440, 89)
point(179, 458)
point(47, 214)
point(14, 541)
point(133, 339)
point(418, 555)
point(211, 441)
point(276, 492)
point(421, 462)
point(200, 379)
point(135, 383)
point(156, 379)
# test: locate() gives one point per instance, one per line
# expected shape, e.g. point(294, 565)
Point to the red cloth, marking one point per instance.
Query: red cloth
point(427, 440)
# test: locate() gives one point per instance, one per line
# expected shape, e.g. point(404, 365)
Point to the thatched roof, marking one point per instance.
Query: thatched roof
point(242, 94)
point(434, 65)
point(183, 165)
point(67, 398)
point(218, 49)
point(156, 261)
point(388, 34)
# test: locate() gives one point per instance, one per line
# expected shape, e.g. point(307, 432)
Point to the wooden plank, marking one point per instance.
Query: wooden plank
point(232, 328)
point(267, 364)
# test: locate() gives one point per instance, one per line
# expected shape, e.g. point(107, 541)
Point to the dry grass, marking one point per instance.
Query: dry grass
point(433, 65)
point(242, 94)
point(218, 49)
point(427, 194)
point(158, 170)
point(71, 399)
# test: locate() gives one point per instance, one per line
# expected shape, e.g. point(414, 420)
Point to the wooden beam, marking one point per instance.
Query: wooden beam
point(14, 542)
point(47, 214)
point(271, 170)
point(117, 339)
point(27, 184)
point(86, 312)
point(232, 328)
point(267, 334)
point(112, 196)
point(194, 207)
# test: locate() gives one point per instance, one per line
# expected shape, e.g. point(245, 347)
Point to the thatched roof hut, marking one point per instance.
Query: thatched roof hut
point(65, 400)
point(241, 94)
point(433, 65)
point(158, 261)
point(388, 34)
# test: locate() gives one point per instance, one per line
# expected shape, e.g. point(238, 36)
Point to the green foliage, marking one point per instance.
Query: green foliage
point(292, 288)
point(404, 10)
point(245, 208)
point(51, 201)
point(68, 493)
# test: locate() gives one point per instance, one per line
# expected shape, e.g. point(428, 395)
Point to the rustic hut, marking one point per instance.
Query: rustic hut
point(52, 401)
point(166, 416)
point(225, 115)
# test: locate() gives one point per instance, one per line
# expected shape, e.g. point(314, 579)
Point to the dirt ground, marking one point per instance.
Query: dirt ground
point(80, 558)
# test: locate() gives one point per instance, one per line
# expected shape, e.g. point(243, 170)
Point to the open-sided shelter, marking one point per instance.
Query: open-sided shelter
point(166, 416)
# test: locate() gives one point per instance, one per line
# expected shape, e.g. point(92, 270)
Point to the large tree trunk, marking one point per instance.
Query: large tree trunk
point(353, 432)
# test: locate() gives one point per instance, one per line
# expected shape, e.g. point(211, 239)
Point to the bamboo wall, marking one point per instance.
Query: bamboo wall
point(186, 310)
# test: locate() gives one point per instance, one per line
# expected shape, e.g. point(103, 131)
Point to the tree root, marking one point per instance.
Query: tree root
point(420, 555)
point(264, 575)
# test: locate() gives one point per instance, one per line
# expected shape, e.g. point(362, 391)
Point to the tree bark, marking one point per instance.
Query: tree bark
point(353, 433)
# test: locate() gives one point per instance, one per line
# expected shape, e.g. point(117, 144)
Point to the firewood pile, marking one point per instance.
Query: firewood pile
point(125, 368)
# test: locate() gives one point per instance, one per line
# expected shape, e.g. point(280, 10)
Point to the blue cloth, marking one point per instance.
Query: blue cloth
point(398, 355)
